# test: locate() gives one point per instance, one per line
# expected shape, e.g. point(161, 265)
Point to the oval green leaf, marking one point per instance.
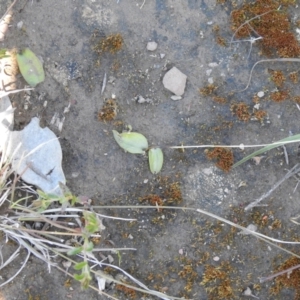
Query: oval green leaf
point(80, 265)
point(156, 159)
point(132, 142)
point(30, 67)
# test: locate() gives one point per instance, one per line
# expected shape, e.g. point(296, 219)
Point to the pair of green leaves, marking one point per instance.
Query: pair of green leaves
point(30, 67)
point(136, 143)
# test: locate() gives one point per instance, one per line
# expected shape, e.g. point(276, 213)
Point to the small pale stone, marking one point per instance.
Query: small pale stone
point(175, 98)
point(260, 94)
point(162, 55)
point(152, 46)
point(216, 258)
point(175, 81)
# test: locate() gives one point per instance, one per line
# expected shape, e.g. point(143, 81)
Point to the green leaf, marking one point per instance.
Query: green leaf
point(75, 251)
point(30, 67)
point(89, 247)
point(291, 139)
point(80, 265)
point(132, 142)
point(156, 159)
point(79, 277)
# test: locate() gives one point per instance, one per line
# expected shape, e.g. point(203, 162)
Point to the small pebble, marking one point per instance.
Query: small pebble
point(152, 46)
point(20, 25)
point(175, 98)
point(216, 258)
point(260, 94)
point(162, 55)
point(175, 81)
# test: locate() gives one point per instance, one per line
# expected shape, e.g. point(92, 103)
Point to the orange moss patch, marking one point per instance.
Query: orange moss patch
point(217, 281)
point(220, 100)
point(207, 90)
point(221, 41)
point(269, 22)
point(241, 110)
point(127, 291)
point(153, 200)
point(112, 43)
point(294, 77)
point(277, 77)
point(297, 99)
point(173, 193)
point(255, 99)
point(108, 112)
point(260, 114)
point(288, 281)
point(223, 156)
point(279, 96)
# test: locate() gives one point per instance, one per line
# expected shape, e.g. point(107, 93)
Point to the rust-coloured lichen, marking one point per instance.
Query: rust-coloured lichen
point(241, 110)
point(269, 19)
point(279, 96)
point(223, 156)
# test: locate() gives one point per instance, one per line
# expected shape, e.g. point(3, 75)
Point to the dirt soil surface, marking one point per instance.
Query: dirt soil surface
point(182, 253)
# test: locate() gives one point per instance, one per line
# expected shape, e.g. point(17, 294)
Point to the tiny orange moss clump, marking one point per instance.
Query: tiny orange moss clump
point(220, 100)
point(112, 43)
point(241, 110)
point(279, 96)
point(277, 77)
point(288, 281)
point(127, 291)
point(108, 112)
point(219, 278)
point(294, 77)
point(223, 156)
point(260, 114)
point(269, 22)
point(297, 99)
point(173, 193)
point(153, 200)
point(208, 90)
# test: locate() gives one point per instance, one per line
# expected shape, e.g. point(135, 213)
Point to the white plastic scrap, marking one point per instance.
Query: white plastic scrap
point(35, 152)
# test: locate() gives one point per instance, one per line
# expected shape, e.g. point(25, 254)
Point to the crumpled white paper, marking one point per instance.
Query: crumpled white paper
point(35, 152)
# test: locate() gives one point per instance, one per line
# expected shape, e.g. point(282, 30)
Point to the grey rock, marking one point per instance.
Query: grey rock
point(175, 81)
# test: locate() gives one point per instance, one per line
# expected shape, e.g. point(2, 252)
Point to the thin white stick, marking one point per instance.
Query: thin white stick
point(241, 146)
point(143, 4)
point(293, 171)
point(267, 60)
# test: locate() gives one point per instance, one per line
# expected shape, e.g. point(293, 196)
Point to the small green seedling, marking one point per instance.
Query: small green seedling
point(30, 67)
point(132, 142)
point(136, 143)
point(156, 160)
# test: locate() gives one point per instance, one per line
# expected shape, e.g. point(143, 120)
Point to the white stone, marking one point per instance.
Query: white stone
point(162, 55)
point(152, 46)
point(175, 81)
point(175, 98)
point(216, 258)
point(260, 94)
